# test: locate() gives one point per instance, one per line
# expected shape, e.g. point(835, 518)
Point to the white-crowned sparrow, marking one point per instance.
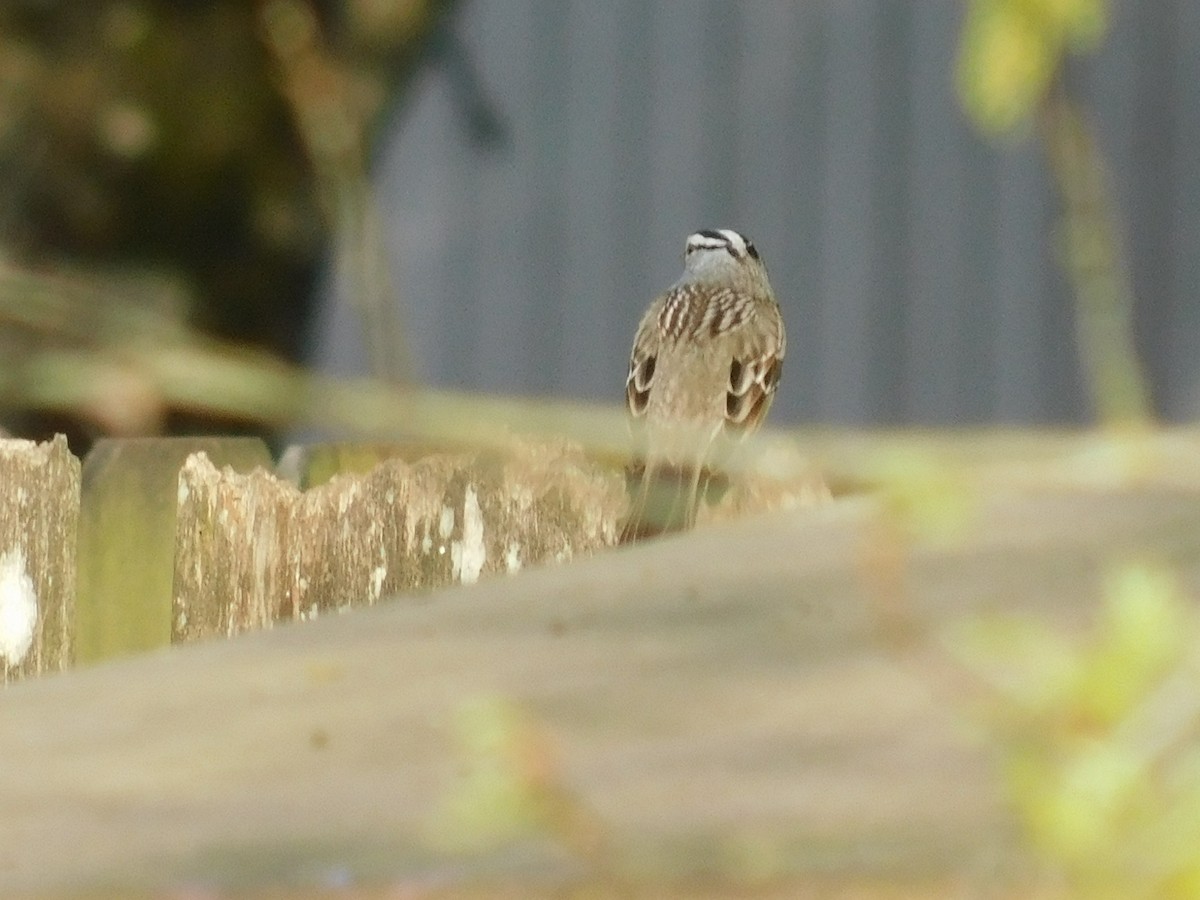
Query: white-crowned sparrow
point(705, 364)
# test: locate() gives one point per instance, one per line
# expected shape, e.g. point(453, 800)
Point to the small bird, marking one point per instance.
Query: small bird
point(705, 364)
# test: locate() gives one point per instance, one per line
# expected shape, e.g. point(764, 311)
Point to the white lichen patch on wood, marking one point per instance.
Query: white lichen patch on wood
point(446, 523)
point(469, 554)
point(512, 558)
point(378, 574)
point(18, 607)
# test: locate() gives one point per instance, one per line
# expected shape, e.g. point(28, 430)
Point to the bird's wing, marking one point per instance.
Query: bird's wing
point(754, 372)
point(644, 357)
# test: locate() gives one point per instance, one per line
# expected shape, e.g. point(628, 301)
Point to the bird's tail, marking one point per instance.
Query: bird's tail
point(665, 498)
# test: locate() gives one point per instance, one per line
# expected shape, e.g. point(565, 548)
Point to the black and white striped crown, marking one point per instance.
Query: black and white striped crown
point(726, 239)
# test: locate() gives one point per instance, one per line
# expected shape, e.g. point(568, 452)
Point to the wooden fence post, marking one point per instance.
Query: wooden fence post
point(127, 537)
point(232, 546)
point(39, 517)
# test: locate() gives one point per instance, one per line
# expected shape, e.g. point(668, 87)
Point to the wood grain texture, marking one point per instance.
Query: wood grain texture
point(252, 549)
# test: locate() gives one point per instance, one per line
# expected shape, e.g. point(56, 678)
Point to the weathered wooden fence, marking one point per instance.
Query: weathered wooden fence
point(181, 538)
point(760, 707)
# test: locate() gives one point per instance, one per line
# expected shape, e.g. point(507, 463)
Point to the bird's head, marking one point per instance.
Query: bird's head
point(721, 253)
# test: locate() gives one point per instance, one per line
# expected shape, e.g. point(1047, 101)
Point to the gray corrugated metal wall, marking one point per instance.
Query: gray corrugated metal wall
point(915, 262)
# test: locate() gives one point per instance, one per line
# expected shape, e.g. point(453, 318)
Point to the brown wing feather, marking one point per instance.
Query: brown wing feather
point(753, 378)
point(643, 359)
point(637, 383)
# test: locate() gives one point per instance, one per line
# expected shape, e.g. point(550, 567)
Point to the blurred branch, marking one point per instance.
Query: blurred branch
point(1009, 73)
point(1094, 256)
point(1097, 736)
point(71, 337)
point(92, 345)
point(333, 110)
point(80, 344)
point(484, 122)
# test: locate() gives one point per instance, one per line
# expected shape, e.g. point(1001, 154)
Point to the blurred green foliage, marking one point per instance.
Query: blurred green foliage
point(201, 162)
point(503, 760)
point(928, 497)
point(1097, 735)
point(1012, 49)
point(510, 784)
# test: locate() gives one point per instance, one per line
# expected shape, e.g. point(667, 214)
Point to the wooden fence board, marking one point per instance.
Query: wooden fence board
point(253, 549)
point(127, 537)
point(39, 518)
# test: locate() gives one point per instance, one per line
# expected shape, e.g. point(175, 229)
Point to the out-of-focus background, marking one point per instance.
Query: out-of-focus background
point(485, 194)
point(915, 257)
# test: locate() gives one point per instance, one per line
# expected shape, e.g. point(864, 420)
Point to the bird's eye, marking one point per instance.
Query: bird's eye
point(751, 250)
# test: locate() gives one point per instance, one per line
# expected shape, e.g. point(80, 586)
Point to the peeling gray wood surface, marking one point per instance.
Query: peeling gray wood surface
point(712, 698)
point(252, 549)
